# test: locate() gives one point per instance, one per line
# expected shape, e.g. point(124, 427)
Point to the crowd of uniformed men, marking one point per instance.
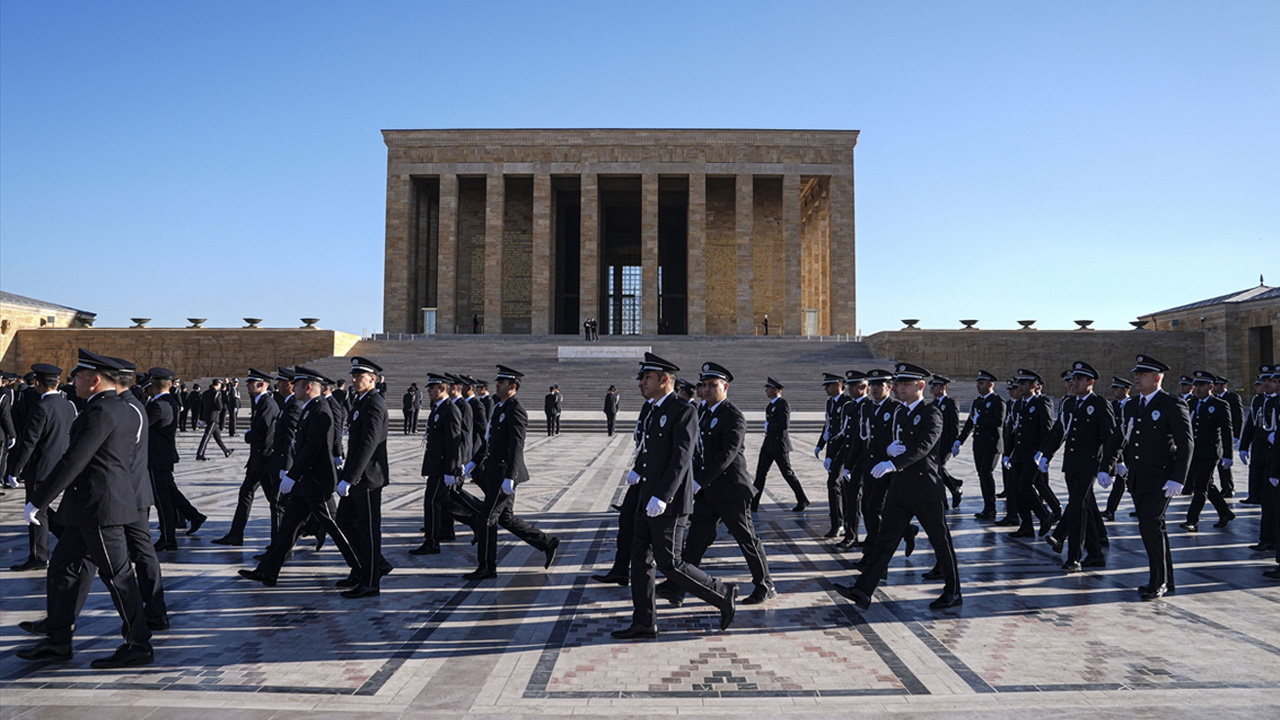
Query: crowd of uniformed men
point(105, 442)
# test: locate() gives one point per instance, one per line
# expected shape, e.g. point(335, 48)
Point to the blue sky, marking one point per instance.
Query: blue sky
point(1018, 160)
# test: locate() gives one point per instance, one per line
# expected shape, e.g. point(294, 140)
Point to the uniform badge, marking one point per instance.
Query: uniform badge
point(706, 367)
point(355, 415)
point(1155, 415)
point(1212, 408)
point(714, 421)
point(886, 417)
point(1031, 409)
point(1088, 410)
point(663, 421)
point(435, 418)
point(916, 421)
point(305, 414)
point(502, 417)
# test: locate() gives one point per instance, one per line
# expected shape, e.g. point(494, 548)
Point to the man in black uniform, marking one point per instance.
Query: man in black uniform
point(1255, 451)
point(666, 499)
point(1157, 457)
point(101, 497)
point(776, 447)
point(263, 412)
point(282, 436)
point(833, 442)
point(611, 408)
point(1222, 391)
point(232, 400)
point(1086, 430)
point(364, 474)
point(878, 431)
point(212, 404)
point(1211, 433)
point(549, 408)
point(195, 401)
point(1122, 409)
point(950, 434)
point(441, 461)
point(916, 491)
point(620, 572)
point(1272, 474)
point(45, 436)
point(1035, 418)
point(986, 423)
point(855, 469)
point(411, 405)
point(162, 455)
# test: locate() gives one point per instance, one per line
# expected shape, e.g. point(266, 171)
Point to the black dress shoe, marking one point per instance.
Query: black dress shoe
point(1273, 574)
point(1109, 516)
point(935, 573)
point(636, 632)
point(849, 543)
point(260, 555)
point(426, 548)
point(854, 595)
point(351, 580)
point(1250, 501)
point(1222, 521)
point(1000, 494)
point(947, 600)
point(45, 650)
point(910, 540)
point(360, 591)
point(1190, 526)
point(230, 452)
point(862, 563)
point(202, 458)
point(612, 579)
point(1093, 562)
point(1147, 592)
point(1071, 566)
point(125, 656)
point(158, 624)
point(800, 506)
point(729, 609)
point(1046, 525)
point(195, 524)
point(1262, 547)
point(30, 565)
point(671, 595)
point(985, 515)
point(759, 595)
point(228, 540)
point(481, 574)
point(258, 576)
point(955, 500)
point(1104, 542)
point(550, 552)
point(834, 533)
point(1054, 543)
point(36, 627)
point(1022, 533)
point(1008, 521)
point(164, 546)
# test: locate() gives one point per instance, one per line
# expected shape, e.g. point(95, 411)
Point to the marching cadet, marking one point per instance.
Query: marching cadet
point(1222, 390)
point(45, 436)
point(411, 405)
point(831, 440)
point(879, 430)
point(620, 572)
point(722, 488)
point(482, 392)
point(854, 470)
point(8, 433)
point(263, 412)
point(1272, 474)
point(1034, 421)
point(1123, 410)
point(212, 405)
point(1157, 458)
point(310, 481)
point(233, 405)
point(466, 419)
point(99, 497)
point(1086, 432)
point(363, 475)
point(986, 423)
point(502, 472)
point(1185, 385)
point(950, 433)
point(1007, 477)
point(776, 448)
point(162, 455)
point(1211, 433)
point(666, 499)
point(479, 424)
point(1254, 451)
point(916, 492)
point(286, 428)
point(441, 461)
point(689, 393)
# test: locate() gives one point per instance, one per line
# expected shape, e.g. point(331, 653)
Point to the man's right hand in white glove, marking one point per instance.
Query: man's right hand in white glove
point(655, 507)
point(817, 453)
point(1122, 470)
point(466, 469)
point(826, 464)
point(895, 448)
point(847, 474)
point(1043, 464)
point(633, 477)
point(1036, 459)
point(1244, 456)
point(449, 480)
point(29, 512)
point(1275, 482)
point(286, 484)
point(1005, 461)
point(882, 469)
point(1104, 479)
point(11, 481)
point(344, 488)
point(955, 449)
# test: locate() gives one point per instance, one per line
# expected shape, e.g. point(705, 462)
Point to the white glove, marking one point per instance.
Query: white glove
point(955, 449)
point(633, 477)
point(1037, 458)
point(1172, 488)
point(1105, 480)
point(449, 480)
point(882, 469)
point(655, 507)
point(817, 451)
point(1043, 464)
point(1270, 438)
point(509, 486)
point(1235, 444)
point(1275, 482)
point(1005, 461)
point(1244, 456)
point(896, 448)
point(826, 464)
point(337, 461)
point(283, 473)
point(11, 481)
point(12, 442)
point(1227, 463)
point(466, 469)
point(29, 512)
point(344, 488)
point(286, 484)
point(696, 487)
point(847, 474)
point(1121, 469)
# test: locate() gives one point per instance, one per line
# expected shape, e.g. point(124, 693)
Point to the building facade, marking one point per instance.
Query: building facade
point(1241, 330)
point(698, 232)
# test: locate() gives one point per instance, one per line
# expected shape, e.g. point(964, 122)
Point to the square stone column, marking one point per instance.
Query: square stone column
point(793, 315)
point(447, 260)
point(397, 266)
point(589, 249)
point(494, 210)
point(745, 213)
point(649, 253)
point(540, 304)
point(697, 242)
point(840, 229)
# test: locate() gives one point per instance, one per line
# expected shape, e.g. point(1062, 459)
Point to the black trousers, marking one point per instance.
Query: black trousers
point(360, 517)
point(708, 512)
point(852, 497)
point(37, 535)
point(1081, 519)
point(146, 567)
point(659, 543)
point(298, 508)
point(1151, 506)
point(897, 518)
point(1260, 489)
point(183, 414)
point(1117, 494)
point(951, 482)
point(231, 421)
point(626, 530)
point(170, 504)
point(782, 459)
point(1045, 493)
point(551, 423)
point(411, 421)
point(1028, 500)
point(610, 420)
point(1200, 484)
point(1226, 480)
point(985, 463)
point(108, 551)
point(434, 516)
point(497, 511)
point(258, 474)
point(1009, 482)
point(210, 431)
point(873, 494)
point(835, 493)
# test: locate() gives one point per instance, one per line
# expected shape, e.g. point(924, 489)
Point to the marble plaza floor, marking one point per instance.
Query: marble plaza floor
point(1029, 642)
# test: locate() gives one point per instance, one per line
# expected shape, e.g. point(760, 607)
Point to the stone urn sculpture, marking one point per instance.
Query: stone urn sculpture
point(252, 322)
point(1026, 324)
point(969, 324)
point(309, 323)
point(140, 322)
point(1084, 324)
point(1138, 324)
point(910, 324)
point(196, 323)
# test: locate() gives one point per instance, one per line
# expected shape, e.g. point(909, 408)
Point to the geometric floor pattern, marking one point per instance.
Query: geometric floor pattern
point(1029, 641)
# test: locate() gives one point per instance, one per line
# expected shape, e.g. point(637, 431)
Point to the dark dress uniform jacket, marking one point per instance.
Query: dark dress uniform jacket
point(666, 456)
point(139, 425)
point(1237, 411)
point(986, 423)
point(95, 475)
point(777, 431)
point(854, 443)
point(313, 469)
point(479, 423)
point(1159, 447)
point(1088, 430)
point(44, 438)
point(1210, 428)
point(876, 425)
point(1257, 425)
point(262, 428)
point(367, 464)
point(210, 405)
point(611, 403)
point(443, 455)
point(724, 463)
point(285, 430)
point(950, 423)
point(466, 438)
point(916, 479)
point(1035, 419)
point(507, 429)
point(832, 439)
point(162, 433)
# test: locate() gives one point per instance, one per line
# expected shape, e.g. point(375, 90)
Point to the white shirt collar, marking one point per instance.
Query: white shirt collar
point(913, 405)
point(713, 407)
point(1147, 398)
point(658, 403)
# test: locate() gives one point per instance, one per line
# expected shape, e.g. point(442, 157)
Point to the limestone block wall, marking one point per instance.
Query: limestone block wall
point(191, 353)
point(721, 257)
point(15, 317)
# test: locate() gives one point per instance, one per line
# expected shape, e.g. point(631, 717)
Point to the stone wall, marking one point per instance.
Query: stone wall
point(191, 353)
point(722, 258)
point(959, 354)
point(517, 256)
point(15, 317)
point(770, 260)
point(470, 248)
point(1235, 335)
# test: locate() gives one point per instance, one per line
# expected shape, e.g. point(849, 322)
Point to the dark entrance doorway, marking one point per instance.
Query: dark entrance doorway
point(621, 288)
point(567, 255)
point(673, 255)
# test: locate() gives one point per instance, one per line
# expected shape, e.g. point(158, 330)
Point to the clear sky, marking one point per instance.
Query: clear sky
point(1018, 160)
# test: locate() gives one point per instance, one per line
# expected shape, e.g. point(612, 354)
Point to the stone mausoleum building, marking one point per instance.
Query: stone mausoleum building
point(697, 232)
